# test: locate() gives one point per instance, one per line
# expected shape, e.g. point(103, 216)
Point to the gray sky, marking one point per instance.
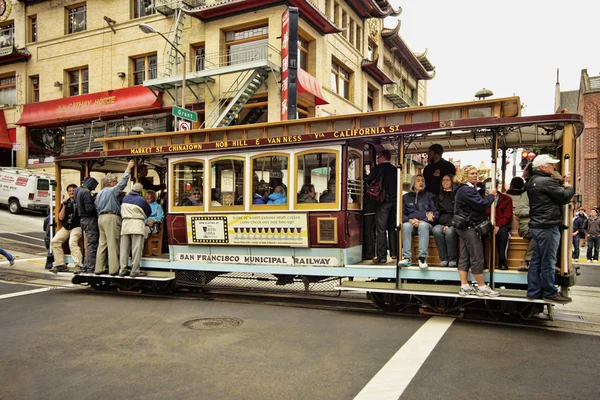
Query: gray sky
point(510, 47)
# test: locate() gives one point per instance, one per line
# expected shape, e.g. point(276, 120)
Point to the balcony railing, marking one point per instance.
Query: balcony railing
point(399, 97)
point(260, 52)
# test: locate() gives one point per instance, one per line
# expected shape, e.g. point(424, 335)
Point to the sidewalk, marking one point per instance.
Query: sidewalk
point(583, 257)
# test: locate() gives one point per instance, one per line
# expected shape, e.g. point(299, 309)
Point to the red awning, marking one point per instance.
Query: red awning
point(89, 106)
point(4, 137)
point(309, 84)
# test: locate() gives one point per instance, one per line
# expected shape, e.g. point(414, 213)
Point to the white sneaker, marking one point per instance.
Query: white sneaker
point(487, 291)
point(423, 263)
point(595, 261)
point(588, 261)
point(470, 291)
point(405, 262)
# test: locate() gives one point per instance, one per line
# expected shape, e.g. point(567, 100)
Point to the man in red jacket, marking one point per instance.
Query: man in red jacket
point(504, 216)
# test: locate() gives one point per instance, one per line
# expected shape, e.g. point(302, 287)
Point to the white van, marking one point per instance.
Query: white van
point(21, 188)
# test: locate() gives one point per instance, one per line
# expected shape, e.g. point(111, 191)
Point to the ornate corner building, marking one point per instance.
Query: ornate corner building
point(74, 71)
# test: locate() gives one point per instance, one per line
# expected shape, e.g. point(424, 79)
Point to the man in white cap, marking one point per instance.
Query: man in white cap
point(546, 198)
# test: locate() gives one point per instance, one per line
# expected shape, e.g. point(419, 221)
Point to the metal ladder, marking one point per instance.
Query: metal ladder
point(172, 55)
point(244, 87)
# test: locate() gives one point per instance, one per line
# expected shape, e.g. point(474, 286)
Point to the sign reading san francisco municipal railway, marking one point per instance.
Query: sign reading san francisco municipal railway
point(258, 259)
point(289, 230)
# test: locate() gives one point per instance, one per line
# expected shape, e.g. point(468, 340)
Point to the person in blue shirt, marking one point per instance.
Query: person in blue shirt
point(278, 196)
point(156, 216)
point(260, 196)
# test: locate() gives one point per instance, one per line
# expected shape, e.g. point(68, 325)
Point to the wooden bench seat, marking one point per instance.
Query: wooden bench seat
point(517, 247)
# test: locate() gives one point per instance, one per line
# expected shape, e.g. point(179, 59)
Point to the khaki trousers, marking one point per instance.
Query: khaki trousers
point(73, 236)
point(137, 247)
point(110, 235)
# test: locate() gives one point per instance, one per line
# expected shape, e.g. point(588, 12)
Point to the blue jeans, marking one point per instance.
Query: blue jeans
point(576, 240)
point(540, 276)
point(592, 250)
point(446, 242)
point(408, 231)
point(6, 254)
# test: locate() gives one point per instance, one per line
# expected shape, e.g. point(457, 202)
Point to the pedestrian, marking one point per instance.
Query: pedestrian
point(418, 216)
point(71, 231)
point(109, 221)
point(546, 199)
point(446, 238)
point(386, 210)
point(578, 228)
point(9, 257)
point(592, 231)
point(88, 218)
point(134, 211)
point(469, 213)
point(436, 169)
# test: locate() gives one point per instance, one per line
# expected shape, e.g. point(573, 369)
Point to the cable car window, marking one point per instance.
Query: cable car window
point(316, 177)
point(270, 179)
point(188, 177)
point(227, 182)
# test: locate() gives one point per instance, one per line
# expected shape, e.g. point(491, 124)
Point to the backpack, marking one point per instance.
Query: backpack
point(375, 190)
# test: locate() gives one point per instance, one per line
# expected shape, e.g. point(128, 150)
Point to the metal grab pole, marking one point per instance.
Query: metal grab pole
point(565, 230)
point(492, 257)
point(399, 208)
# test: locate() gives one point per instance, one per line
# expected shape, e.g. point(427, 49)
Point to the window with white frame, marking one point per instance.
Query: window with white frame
point(78, 81)
point(144, 68)
point(142, 8)
point(340, 80)
point(7, 34)
point(8, 90)
point(76, 19)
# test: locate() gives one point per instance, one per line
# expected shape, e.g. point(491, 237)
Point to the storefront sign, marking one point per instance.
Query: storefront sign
point(289, 230)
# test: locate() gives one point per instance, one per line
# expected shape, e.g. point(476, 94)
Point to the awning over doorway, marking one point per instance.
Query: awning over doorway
point(309, 84)
point(90, 106)
point(4, 137)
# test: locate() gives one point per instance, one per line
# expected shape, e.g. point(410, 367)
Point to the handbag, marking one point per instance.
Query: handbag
point(484, 229)
point(460, 221)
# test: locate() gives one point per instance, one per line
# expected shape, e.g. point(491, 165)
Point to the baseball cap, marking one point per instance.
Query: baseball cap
point(543, 159)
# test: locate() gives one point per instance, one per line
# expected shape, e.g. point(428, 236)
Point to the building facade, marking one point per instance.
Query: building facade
point(73, 71)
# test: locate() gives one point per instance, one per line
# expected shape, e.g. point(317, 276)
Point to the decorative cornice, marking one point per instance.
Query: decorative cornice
point(372, 68)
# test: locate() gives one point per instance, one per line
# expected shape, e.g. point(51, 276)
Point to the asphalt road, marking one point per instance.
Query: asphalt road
point(73, 343)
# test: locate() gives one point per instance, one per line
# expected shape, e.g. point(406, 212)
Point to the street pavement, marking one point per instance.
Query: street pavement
point(61, 341)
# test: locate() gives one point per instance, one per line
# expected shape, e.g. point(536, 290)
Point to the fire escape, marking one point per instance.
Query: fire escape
point(252, 66)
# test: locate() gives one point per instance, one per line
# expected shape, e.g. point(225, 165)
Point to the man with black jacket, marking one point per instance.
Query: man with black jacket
point(89, 221)
point(386, 211)
point(546, 198)
point(578, 232)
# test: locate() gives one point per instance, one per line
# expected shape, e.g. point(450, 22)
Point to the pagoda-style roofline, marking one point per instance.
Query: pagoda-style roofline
point(12, 54)
point(373, 8)
point(372, 68)
point(308, 12)
point(418, 64)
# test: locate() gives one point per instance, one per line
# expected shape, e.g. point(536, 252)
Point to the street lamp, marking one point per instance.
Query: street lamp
point(150, 29)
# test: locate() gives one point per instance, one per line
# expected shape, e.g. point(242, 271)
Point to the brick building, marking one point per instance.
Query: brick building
point(586, 101)
point(72, 71)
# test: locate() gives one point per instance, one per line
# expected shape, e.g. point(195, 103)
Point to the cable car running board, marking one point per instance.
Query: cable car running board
point(445, 294)
point(145, 278)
